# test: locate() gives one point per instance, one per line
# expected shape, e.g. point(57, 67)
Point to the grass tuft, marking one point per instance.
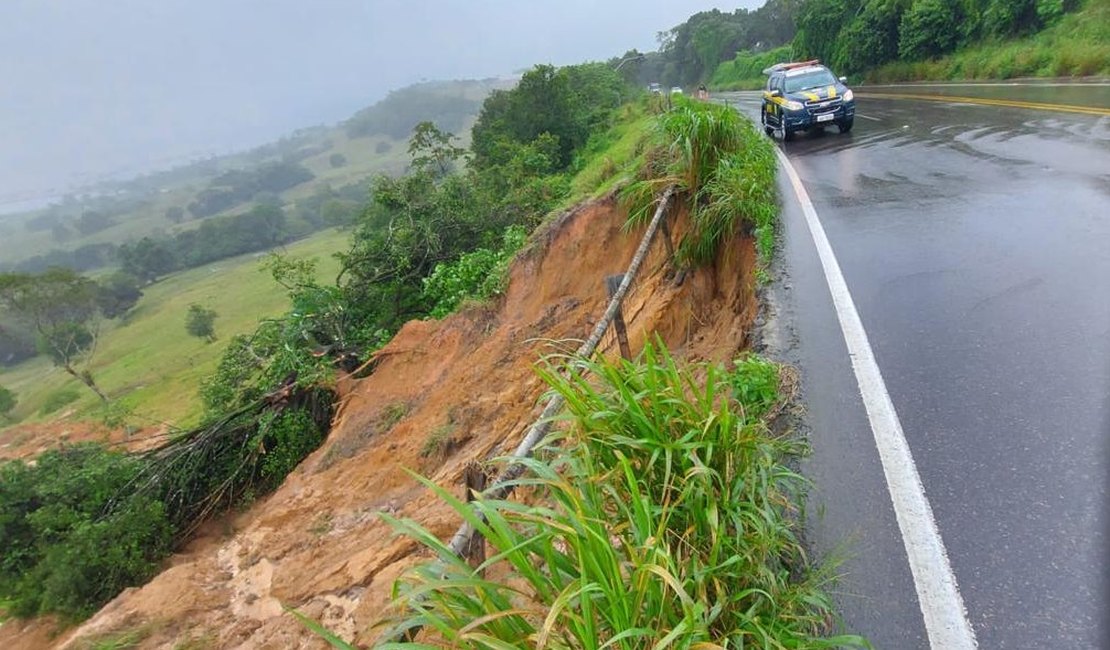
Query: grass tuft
point(725, 167)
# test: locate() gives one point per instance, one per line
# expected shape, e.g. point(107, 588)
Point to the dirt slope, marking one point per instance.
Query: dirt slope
point(465, 383)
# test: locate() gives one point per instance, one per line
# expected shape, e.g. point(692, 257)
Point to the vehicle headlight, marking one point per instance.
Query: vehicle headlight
point(793, 105)
point(848, 95)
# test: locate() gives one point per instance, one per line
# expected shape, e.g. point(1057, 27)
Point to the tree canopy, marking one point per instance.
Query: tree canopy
point(62, 308)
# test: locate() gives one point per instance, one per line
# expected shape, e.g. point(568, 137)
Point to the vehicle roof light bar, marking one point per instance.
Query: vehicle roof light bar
point(791, 65)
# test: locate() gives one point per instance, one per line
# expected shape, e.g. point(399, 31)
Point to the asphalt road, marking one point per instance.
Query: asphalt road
point(975, 242)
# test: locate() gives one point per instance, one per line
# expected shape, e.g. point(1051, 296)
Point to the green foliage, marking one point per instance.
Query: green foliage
point(755, 385)
point(725, 167)
point(238, 186)
point(1075, 44)
point(200, 322)
point(262, 227)
point(147, 259)
point(927, 29)
point(117, 294)
point(65, 341)
point(567, 104)
point(58, 400)
point(61, 550)
point(691, 52)
point(432, 150)
point(745, 70)
point(289, 436)
point(477, 275)
point(83, 523)
point(319, 320)
point(8, 400)
point(858, 35)
point(664, 517)
point(61, 308)
point(319, 630)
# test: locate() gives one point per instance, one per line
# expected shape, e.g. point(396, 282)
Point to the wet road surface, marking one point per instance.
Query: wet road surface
point(975, 241)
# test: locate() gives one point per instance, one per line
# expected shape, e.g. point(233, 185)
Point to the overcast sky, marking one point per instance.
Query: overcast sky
point(89, 87)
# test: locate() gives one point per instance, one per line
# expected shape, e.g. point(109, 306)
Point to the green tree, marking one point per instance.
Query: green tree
point(200, 322)
point(117, 294)
point(61, 307)
point(147, 259)
point(567, 104)
point(338, 212)
point(7, 402)
point(175, 214)
point(927, 29)
point(432, 149)
point(93, 221)
point(337, 160)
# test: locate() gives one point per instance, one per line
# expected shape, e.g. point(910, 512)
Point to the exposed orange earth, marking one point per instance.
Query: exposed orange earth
point(317, 543)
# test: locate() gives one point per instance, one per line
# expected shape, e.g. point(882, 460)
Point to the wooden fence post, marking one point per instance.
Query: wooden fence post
point(475, 480)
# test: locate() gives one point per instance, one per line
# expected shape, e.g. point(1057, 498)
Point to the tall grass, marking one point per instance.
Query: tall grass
point(725, 167)
point(661, 516)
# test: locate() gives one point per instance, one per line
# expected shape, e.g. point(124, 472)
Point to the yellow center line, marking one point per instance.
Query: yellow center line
point(1064, 108)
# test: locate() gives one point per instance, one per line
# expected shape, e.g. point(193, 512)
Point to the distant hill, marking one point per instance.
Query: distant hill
point(301, 173)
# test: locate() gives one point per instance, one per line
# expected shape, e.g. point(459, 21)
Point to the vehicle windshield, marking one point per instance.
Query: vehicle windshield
point(807, 80)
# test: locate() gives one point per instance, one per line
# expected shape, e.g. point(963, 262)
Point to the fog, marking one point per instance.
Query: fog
point(90, 88)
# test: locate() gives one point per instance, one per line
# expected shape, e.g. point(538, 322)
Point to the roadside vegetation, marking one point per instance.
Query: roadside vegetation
point(745, 70)
point(1073, 45)
point(723, 167)
point(991, 38)
point(664, 513)
point(880, 41)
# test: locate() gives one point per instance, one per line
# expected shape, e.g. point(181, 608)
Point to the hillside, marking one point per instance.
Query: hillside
point(317, 544)
point(318, 165)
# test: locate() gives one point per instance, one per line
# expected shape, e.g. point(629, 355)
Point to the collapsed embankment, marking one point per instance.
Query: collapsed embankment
point(443, 394)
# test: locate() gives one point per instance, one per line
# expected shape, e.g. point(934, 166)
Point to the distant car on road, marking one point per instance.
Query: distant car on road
point(676, 90)
point(805, 95)
point(655, 88)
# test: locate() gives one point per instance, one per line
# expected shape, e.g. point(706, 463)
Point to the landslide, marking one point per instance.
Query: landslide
point(442, 394)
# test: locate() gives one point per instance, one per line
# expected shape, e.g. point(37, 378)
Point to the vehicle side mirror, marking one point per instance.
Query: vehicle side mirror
point(776, 93)
point(843, 80)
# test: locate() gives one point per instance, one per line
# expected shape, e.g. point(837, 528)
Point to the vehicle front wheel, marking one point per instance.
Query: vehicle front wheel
point(787, 134)
point(845, 126)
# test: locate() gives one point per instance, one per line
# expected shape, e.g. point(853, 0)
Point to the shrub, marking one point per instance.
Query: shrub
point(60, 549)
point(288, 436)
point(7, 402)
point(476, 275)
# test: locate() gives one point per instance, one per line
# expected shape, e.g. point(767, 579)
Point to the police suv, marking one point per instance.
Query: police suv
point(803, 96)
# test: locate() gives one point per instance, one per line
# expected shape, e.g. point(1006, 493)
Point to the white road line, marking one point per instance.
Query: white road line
point(941, 604)
point(868, 117)
point(1080, 84)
